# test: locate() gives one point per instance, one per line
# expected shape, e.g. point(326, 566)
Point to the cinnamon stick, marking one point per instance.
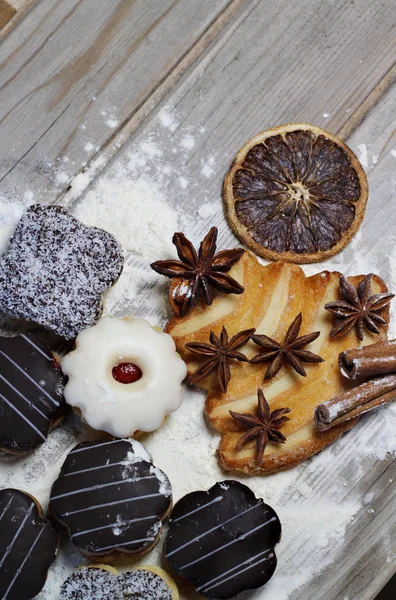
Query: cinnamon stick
point(369, 361)
point(355, 402)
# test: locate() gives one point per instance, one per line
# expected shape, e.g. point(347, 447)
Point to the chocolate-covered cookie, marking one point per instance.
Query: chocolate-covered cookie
point(94, 583)
point(31, 393)
point(111, 499)
point(222, 541)
point(28, 546)
point(55, 270)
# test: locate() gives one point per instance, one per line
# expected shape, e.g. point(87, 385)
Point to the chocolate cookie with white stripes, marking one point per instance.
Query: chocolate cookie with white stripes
point(31, 393)
point(28, 546)
point(222, 541)
point(111, 500)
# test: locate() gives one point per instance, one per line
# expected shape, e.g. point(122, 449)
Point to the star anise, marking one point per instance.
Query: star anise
point(359, 307)
point(199, 274)
point(219, 352)
point(290, 350)
point(265, 426)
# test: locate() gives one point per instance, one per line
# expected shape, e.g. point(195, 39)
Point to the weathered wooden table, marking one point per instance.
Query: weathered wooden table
point(82, 82)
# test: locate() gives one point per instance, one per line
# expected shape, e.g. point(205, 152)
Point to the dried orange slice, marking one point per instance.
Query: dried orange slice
point(295, 193)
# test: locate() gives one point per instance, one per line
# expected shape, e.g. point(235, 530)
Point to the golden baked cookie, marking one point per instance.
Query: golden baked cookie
point(274, 295)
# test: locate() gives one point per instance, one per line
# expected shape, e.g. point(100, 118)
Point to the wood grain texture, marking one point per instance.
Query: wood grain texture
point(74, 71)
point(273, 63)
point(319, 59)
point(6, 13)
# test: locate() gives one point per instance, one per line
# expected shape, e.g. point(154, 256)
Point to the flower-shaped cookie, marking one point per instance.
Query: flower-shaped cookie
point(111, 499)
point(29, 545)
point(56, 269)
point(124, 376)
point(222, 541)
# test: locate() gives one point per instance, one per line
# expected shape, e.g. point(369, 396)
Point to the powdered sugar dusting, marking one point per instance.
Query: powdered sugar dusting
point(134, 211)
point(165, 487)
point(10, 213)
point(317, 501)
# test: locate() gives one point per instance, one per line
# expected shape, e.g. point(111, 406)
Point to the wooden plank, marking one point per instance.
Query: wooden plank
point(73, 71)
point(6, 13)
point(316, 62)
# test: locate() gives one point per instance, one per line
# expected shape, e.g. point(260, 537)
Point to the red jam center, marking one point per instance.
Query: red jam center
point(126, 373)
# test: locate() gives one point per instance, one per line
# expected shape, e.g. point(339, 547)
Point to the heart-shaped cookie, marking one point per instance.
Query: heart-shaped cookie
point(55, 270)
point(274, 295)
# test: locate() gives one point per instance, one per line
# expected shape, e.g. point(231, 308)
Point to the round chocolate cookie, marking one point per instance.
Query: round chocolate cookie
point(98, 584)
point(111, 499)
point(222, 541)
point(31, 393)
point(28, 546)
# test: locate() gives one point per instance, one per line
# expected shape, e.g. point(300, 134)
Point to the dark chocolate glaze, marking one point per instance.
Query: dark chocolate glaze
point(55, 270)
point(222, 541)
point(98, 584)
point(109, 496)
point(28, 546)
point(31, 392)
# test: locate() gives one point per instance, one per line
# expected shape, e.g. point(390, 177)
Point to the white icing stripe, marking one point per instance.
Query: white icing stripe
point(19, 570)
point(206, 589)
point(74, 512)
point(56, 402)
point(103, 485)
point(24, 397)
point(9, 547)
point(213, 529)
point(238, 566)
point(23, 417)
point(238, 539)
point(124, 544)
point(218, 499)
point(95, 446)
point(123, 462)
point(6, 508)
point(29, 341)
point(114, 525)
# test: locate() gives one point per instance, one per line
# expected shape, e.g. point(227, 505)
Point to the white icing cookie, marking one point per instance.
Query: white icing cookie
point(123, 408)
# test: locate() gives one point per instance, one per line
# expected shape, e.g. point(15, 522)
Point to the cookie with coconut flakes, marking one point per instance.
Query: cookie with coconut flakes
point(142, 583)
point(111, 500)
point(56, 269)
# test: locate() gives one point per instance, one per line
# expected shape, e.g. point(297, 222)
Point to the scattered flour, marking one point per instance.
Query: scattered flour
point(88, 147)
point(134, 211)
point(326, 115)
point(317, 501)
point(393, 152)
point(167, 118)
point(62, 177)
point(10, 213)
point(112, 122)
point(188, 142)
point(363, 154)
point(207, 210)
